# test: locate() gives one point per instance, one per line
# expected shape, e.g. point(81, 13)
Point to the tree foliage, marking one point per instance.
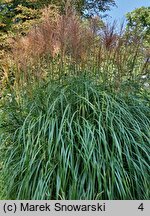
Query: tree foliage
point(13, 11)
point(138, 21)
point(95, 7)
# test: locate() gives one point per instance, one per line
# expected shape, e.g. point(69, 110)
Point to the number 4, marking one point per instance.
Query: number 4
point(141, 207)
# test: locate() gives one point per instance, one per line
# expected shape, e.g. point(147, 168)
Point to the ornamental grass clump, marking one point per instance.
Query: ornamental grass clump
point(76, 141)
point(75, 112)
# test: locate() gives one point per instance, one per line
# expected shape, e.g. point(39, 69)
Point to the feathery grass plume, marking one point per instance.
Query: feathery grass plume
point(61, 34)
point(76, 141)
point(109, 36)
point(65, 44)
point(41, 38)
